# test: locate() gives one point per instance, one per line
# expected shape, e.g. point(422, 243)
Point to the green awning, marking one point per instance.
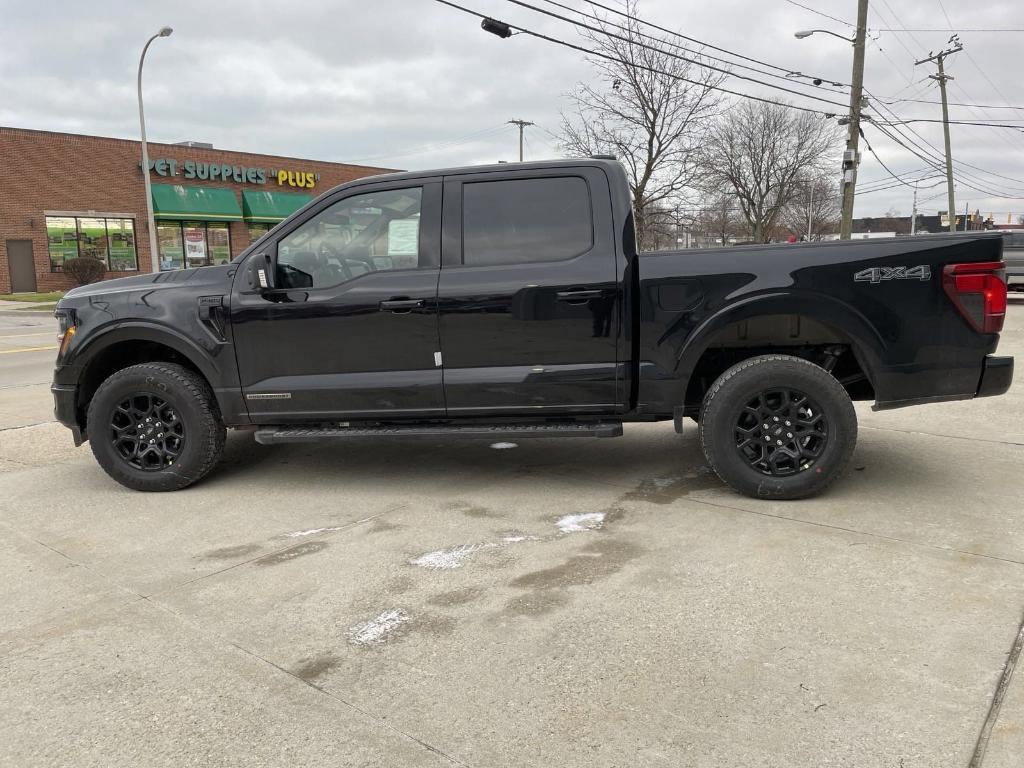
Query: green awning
point(271, 207)
point(176, 201)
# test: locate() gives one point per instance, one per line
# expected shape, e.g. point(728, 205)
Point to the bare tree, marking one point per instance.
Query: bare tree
point(650, 110)
point(815, 202)
point(761, 151)
point(720, 218)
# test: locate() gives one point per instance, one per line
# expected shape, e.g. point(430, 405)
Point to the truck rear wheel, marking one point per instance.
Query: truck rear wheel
point(778, 427)
point(155, 427)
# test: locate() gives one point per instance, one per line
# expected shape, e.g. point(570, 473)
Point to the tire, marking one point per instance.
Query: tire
point(185, 428)
point(807, 443)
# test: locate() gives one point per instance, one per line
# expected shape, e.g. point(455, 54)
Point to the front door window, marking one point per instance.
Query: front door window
point(372, 232)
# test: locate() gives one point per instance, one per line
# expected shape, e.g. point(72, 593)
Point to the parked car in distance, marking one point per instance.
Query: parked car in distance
point(511, 300)
point(1013, 255)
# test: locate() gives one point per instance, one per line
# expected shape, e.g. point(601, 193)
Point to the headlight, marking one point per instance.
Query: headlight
point(67, 323)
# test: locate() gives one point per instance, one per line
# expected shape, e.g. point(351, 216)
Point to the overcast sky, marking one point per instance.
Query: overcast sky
point(414, 84)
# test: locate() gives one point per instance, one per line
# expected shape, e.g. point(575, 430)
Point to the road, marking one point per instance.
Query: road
point(562, 602)
point(28, 344)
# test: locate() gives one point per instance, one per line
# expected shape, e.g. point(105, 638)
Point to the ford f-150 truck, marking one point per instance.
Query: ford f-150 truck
point(511, 300)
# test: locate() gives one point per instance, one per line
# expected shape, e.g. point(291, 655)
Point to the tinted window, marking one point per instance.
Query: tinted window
point(366, 233)
point(525, 220)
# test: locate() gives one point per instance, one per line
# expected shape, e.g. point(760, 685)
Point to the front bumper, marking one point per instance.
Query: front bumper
point(65, 397)
point(996, 376)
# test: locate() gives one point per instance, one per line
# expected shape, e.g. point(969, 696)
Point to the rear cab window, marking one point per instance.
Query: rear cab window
point(519, 221)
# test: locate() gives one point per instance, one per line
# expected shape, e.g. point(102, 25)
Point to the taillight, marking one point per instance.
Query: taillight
point(979, 292)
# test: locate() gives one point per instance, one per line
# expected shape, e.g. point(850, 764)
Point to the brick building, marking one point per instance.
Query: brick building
point(64, 195)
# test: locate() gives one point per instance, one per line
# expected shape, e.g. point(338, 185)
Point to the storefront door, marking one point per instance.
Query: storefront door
point(22, 266)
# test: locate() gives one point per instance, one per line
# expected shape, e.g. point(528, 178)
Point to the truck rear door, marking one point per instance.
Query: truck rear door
point(529, 304)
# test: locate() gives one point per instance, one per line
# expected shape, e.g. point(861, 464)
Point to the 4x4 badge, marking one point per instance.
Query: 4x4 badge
point(881, 274)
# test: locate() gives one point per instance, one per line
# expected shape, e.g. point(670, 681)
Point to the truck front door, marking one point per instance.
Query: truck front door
point(529, 300)
point(350, 329)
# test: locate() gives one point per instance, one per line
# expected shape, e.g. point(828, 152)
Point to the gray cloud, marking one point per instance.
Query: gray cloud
point(413, 84)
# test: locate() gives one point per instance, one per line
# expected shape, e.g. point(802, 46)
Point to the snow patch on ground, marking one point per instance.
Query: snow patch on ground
point(376, 630)
point(585, 521)
point(515, 537)
point(312, 532)
point(444, 559)
point(503, 446)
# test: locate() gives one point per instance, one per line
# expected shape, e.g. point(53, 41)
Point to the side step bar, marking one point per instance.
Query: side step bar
point(276, 435)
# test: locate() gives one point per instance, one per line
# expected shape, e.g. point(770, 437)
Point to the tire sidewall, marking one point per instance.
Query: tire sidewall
point(721, 412)
point(147, 381)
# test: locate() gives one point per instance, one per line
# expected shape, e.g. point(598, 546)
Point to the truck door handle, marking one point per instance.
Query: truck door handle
point(579, 297)
point(400, 305)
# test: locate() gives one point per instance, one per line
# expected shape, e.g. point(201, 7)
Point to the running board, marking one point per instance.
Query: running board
point(276, 435)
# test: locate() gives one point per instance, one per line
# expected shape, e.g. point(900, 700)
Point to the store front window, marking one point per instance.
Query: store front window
point(193, 244)
point(169, 241)
point(109, 240)
point(257, 230)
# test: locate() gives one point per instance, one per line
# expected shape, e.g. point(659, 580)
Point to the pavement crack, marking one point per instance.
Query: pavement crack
point(937, 434)
point(882, 536)
point(214, 637)
point(981, 746)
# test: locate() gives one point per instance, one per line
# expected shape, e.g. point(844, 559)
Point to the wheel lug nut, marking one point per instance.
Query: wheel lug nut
point(779, 442)
point(775, 417)
point(789, 434)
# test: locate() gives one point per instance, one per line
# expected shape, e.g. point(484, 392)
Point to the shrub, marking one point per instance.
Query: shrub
point(85, 270)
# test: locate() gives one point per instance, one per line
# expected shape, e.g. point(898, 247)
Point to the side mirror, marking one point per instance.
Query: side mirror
point(262, 273)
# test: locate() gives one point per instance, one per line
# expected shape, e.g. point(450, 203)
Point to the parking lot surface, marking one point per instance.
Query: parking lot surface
point(560, 602)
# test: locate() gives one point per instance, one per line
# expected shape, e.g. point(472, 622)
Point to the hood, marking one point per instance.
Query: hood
point(150, 281)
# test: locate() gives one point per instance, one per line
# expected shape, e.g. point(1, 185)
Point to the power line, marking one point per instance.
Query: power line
point(647, 46)
point(655, 70)
point(652, 25)
point(944, 30)
point(959, 122)
point(788, 76)
point(820, 13)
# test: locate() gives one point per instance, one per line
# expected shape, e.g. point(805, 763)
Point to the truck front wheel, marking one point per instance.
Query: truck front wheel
point(155, 427)
point(778, 427)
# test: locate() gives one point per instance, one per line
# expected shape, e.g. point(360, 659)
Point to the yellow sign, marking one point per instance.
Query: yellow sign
point(303, 179)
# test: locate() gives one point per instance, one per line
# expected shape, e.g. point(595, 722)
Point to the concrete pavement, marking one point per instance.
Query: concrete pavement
point(569, 602)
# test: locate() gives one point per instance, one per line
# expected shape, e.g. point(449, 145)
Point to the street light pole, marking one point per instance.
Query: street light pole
point(853, 137)
point(850, 157)
point(150, 221)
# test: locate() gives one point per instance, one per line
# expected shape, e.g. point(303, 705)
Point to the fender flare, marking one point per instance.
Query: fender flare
point(136, 331)
point(867, 345)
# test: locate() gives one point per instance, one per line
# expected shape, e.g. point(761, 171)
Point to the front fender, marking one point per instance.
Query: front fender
point(121, 331)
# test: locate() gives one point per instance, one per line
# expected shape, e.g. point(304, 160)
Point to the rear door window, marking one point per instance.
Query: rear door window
point(520, 221)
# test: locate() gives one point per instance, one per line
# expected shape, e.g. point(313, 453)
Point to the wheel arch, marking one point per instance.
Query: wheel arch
point(131, 343)
point(845, 324)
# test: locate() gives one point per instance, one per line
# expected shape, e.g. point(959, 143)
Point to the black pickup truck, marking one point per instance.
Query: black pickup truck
point(511, 300)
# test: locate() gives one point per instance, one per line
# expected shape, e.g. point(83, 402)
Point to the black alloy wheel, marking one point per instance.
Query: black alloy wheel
point(147, 432)
point(155, 426)
point(781, 432)
point(777, 427)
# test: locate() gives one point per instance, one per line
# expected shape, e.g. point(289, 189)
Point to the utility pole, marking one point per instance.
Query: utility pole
point(939, 58)
point(853, 137)
point(522, 124)
point(913, 214)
